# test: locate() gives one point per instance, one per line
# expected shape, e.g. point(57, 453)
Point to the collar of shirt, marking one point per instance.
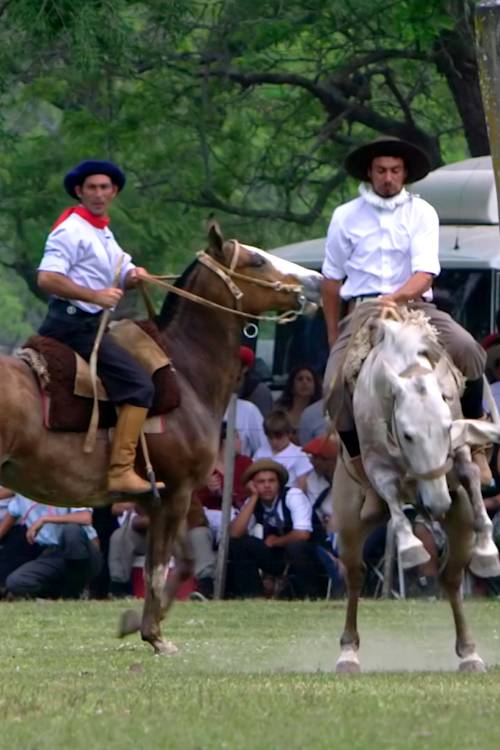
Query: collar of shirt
point(386, 204)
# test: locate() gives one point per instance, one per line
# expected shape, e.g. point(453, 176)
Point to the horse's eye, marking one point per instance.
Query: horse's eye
point(258, 260)
point(408, 437)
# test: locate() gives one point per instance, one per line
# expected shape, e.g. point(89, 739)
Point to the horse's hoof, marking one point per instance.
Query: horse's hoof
point(414, 555)
point(165, 648)
point(485, 563)
point(472, 663)
point(348, 663)
point(129, 623)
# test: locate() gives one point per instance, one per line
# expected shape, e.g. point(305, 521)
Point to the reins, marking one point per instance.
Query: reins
point(226, 275)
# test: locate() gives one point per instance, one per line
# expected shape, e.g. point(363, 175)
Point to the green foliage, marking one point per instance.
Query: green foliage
point(242, 109)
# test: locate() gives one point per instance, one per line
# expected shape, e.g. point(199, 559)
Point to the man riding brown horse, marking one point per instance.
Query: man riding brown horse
point(85, 271)
point(384, 244)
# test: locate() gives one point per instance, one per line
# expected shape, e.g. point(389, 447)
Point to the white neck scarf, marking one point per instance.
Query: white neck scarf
point(386, 204)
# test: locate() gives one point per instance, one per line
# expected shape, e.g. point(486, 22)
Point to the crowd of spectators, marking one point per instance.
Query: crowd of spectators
point(280, 544)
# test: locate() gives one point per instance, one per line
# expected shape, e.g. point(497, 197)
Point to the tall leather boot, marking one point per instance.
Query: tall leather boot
point(122, 477)
point(373, 508)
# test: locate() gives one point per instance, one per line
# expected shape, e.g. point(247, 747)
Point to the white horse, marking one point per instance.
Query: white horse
point(415, 448)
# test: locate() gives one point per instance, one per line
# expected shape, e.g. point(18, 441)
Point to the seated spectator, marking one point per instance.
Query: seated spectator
point(104, 522)
point(5, 496)
point(279, 432)
point(322, 453)
point(126, 543)
point(317, 485)
point(313, 422)
point(284, 515)
point(302, 388)
point(210, 495)
point(251, 386)
point(46, 551)
point(129, 541)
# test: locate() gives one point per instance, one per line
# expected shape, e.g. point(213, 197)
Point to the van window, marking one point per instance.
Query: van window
point(465, 294)
point(302, 342)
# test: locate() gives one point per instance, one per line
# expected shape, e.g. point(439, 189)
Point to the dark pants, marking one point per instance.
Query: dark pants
point(124, 380)
point(15, 550)
point(248, 555)
point(61, 571)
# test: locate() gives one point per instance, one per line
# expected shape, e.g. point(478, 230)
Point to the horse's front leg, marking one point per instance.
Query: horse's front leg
point(352, 532)
point(390, 487)
point(485, 561)
point(166, 529)
point(166, 536)
point(459, 526)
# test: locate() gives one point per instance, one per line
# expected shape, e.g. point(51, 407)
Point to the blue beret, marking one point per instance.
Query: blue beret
point(87, 168)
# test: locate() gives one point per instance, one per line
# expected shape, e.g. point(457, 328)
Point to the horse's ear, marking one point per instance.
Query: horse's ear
point(396, 384)
point(215, 240)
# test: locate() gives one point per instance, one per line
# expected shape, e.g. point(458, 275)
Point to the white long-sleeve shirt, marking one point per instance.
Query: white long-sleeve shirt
point(85, 254)
point(376, 244)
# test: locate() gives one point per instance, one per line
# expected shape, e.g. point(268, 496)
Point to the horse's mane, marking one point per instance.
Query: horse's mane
point(413, 329)
point(171, 301)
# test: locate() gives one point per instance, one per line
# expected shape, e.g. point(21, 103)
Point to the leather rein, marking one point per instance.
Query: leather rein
point(226, 275)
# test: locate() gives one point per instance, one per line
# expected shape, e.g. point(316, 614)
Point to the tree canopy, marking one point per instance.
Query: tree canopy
point(245, 110)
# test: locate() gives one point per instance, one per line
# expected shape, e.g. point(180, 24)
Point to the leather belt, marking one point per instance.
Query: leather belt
point(65, 307)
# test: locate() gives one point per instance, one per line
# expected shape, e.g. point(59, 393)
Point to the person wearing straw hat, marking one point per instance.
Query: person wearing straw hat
point(284, 516)
point(85, 272)
point(384, 244)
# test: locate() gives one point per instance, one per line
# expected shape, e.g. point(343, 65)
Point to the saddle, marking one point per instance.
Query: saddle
point(65, 383)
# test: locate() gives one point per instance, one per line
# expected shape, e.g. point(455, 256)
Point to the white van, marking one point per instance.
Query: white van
point(464, 196)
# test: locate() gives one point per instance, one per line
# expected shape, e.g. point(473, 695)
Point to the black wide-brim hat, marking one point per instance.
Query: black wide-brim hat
point(416, 161)
point(87, 168)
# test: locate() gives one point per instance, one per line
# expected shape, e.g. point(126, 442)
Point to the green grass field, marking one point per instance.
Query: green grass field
point(248, 675)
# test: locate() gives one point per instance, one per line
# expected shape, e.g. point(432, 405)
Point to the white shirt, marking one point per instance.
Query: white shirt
point(85, 254)
point(376, 244)
point(249, 426)
point(299, 507)
point(315, 484)
point(292, 458)
point(28, 511)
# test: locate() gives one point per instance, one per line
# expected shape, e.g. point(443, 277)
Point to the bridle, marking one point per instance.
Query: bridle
point(226, 275)
point(393, 433)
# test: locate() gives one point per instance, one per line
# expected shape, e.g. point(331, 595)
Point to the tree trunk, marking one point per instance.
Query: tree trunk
point(455, 57)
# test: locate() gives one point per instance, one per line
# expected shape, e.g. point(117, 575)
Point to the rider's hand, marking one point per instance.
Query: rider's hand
point(134, 276)
point(107, 297)
point(387, 300)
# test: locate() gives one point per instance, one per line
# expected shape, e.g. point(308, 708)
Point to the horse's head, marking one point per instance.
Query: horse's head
point(259, 280)
point(421, 433)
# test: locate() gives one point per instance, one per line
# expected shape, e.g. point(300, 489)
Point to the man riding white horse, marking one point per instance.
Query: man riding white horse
point(384, 244)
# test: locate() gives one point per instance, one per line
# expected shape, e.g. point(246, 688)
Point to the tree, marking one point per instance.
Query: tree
point(245, 109)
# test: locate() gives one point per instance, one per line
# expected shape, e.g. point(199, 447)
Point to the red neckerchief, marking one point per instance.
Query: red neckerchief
point(100, 222)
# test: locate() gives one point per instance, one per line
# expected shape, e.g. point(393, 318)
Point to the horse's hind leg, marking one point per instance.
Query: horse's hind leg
point(459, 526)
point(348, 499)
point(485, 561)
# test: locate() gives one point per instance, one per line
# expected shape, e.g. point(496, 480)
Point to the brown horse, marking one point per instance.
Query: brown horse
point(203, 343)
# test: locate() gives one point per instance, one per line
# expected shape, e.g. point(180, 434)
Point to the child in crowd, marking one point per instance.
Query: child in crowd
point(279, 431)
